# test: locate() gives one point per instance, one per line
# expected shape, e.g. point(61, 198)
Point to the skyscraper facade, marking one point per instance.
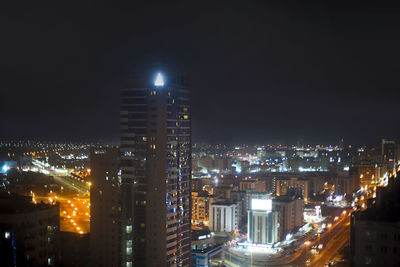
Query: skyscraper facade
point(156, 172)
point(105, 208)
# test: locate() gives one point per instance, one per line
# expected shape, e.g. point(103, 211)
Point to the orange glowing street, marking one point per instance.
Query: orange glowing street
point(74, 211)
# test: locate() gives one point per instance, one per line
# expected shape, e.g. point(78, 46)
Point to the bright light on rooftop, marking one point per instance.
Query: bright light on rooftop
point(159, 80)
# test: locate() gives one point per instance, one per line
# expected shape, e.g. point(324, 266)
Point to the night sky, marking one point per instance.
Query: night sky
point(259, 71)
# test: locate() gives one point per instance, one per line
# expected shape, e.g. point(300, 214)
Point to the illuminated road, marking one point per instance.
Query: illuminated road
point(74, 212)
point(74, 199)
point(69, 181)
point(332, 248)
point(63, 177)
point(332, 241)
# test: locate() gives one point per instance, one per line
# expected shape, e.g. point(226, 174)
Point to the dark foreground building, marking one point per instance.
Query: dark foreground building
point(29, 233)
point(375, 232)
point(74, 249)
point(105, 208)
point(156, 172)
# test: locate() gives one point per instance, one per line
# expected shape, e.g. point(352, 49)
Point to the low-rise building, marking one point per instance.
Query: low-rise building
point(291, 216)
point(204, 248)
point(200, 207)
point(290, 186)
point(29, 231)
point(224, 216)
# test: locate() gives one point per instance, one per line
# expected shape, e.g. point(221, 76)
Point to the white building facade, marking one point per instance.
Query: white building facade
point(224, 217)
point(263, 224)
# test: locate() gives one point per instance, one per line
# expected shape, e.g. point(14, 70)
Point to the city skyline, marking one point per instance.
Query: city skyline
point(260, 73)
point(288, 204)
point(229, 133)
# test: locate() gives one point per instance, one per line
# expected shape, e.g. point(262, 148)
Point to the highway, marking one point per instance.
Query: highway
point(74, 200)
point(70, 182)
point(332, 241)
point(62, 177)
point(332, 248)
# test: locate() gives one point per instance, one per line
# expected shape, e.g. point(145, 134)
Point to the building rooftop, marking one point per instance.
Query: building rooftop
point(224, 202)
point(284, 198)
point(383, 214)
point(15, 204)
point(201, 193)
point(208, 249)
point(200, 232)
point(387, 204)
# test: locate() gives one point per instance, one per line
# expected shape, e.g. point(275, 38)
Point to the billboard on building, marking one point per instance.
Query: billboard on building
point(261, 204)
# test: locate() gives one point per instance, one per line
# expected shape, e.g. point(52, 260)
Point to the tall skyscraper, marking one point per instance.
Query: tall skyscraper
point(156, 172)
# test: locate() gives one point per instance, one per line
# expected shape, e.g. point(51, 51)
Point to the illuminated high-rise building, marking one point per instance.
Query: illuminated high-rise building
point(262, 227)
point(156, 172)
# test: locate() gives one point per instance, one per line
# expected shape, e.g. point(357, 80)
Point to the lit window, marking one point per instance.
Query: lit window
point(7, 235)
point(129, 251)
point(48, 261)
point(129, 229)
point(129, 243)
point(128, 264)
point(186, 117)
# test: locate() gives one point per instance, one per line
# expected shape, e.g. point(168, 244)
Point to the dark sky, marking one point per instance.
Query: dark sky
point(259, 71)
